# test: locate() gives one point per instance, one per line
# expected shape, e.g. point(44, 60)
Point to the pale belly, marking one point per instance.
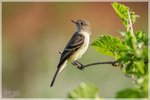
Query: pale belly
point(78, 54)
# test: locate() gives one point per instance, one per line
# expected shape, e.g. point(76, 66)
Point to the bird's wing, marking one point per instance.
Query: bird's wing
point(73, 45)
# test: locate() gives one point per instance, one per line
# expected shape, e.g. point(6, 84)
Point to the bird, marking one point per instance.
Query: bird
point(76, 46)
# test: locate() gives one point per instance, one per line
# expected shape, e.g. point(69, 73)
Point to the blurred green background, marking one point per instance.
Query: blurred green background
point(34, 33)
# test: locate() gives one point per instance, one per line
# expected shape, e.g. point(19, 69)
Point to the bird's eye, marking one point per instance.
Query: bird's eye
point(81, 23)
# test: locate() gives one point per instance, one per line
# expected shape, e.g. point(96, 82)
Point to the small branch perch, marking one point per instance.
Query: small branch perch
point(81, 66)
point(97, 63)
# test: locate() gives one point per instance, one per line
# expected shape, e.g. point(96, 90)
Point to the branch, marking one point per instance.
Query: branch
point(97, 63)
point(81, 66)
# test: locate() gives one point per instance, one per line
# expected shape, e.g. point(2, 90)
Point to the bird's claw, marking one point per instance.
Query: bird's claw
point(78, 64)
point(80, 67)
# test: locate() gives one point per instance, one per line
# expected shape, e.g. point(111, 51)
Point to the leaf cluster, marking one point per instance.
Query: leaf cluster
point(109, 45)
point(122, 12)
point(131, 53)
point(84, 90)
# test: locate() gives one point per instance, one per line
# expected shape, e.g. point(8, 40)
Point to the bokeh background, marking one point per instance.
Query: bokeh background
point(34, 33)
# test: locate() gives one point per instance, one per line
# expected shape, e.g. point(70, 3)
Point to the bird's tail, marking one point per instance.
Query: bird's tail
point(59, 69)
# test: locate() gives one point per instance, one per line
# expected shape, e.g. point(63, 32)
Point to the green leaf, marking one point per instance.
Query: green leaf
point(122, 33)
point(84, 90)
point(145, 54)
point(129, 93)
point(109, 45)
point(141, 38)
point(122, 12)
point(131, 52)
point(140, 66)
point(128, 69)
point(128, 42)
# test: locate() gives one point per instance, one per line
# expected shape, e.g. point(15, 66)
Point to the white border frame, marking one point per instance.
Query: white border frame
point(70, 1)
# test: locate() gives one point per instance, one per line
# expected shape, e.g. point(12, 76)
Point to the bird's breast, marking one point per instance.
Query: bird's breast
point(78, 54)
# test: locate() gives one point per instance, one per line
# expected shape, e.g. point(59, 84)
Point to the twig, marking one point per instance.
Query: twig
point(97, 63)
point(81, 66)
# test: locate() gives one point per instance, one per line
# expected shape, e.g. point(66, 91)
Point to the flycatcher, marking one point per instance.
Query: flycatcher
point(76, 47)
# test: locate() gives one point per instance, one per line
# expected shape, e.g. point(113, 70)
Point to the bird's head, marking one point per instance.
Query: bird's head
point(82, 25)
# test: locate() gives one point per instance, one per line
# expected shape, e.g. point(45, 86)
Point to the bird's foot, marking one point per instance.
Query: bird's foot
point(78, 64)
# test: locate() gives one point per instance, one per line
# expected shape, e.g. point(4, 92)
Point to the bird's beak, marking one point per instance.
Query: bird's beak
point(74, 21)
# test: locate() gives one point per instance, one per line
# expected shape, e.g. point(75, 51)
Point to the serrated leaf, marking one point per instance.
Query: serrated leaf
point(129, 93)
point(129, 68)
point(140, 66)
point(109, 45)
point(122, 33)
point(122, 12)
point(128, 42)
point(84, 91)
point(141, 37)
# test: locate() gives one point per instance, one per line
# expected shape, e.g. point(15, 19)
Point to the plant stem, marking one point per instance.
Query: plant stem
point(134, 41)
point(130, 24)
